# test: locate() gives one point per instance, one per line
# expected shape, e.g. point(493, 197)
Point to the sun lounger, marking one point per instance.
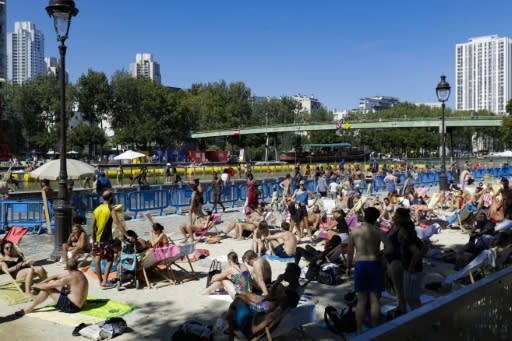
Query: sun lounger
point(15, 235)
point(486, 257)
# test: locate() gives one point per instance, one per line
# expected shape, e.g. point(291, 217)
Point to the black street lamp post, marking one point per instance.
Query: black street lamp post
point(443, 93)
point(62, 11)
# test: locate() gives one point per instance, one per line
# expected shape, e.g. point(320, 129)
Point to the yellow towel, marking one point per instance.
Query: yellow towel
point(52, 315)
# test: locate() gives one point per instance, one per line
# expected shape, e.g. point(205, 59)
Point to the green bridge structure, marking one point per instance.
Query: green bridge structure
point(427, 122)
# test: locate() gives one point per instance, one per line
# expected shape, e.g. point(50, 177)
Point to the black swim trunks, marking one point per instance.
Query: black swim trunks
point(280, 252)
point(64, 304)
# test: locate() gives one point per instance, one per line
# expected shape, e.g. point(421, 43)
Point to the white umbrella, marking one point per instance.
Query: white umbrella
point(129, 155)
point(51, 170)
point(73, 152)
point(506, 153)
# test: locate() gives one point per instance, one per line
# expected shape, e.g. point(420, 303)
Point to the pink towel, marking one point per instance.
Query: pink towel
point(166, 252)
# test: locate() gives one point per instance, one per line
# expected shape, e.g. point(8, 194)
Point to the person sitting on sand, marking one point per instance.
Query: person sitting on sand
point(283, 243)
point(199, 229)
point(236, 278)
point(261, 271)
point(19, 268)
point(258, 237)
point(76, 244)
point(245, 224)
point(69, 291)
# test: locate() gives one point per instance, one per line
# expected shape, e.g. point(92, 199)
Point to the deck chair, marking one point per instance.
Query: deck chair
point(157, 260)
point(328, 205)
point(486, 257)
point(15, 235)
point(293, 319)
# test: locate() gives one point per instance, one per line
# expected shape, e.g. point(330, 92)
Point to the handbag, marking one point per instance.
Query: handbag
point(215, 268)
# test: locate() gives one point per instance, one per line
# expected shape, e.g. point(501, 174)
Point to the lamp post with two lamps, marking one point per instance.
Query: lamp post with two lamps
point(443, 93)
point(62, 11)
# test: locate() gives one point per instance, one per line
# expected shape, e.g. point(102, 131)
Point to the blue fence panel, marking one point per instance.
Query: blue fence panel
point(180, 197)
point(378, 183)
point(27, 213)
point(242, 192)
point(231, 195)
point(147, 201)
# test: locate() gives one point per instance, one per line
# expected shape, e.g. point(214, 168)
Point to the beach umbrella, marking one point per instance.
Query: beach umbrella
point(129, 155)
point(51, 170)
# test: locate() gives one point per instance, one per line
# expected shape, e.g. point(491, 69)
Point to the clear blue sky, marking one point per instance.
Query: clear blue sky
point(336, 50)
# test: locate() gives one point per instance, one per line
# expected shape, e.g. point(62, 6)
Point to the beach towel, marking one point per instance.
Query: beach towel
point(10, 294)
point(95, 310)
point(279, 259)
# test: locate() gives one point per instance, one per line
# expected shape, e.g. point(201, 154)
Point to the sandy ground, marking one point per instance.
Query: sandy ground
point(164, 309)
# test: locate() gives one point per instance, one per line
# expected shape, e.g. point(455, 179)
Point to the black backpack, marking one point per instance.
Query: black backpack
point(344, 322)
point(313, 270)
point(329, 274)
point(215, 268)
point(193, 331)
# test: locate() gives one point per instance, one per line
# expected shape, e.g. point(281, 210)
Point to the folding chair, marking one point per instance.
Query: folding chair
point(15, 235)
point(293, 319)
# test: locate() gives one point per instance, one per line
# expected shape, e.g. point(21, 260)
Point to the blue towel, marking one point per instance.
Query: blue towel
point(279, 259)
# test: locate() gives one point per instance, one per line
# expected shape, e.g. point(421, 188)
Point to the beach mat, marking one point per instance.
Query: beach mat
point(279, 259)
point(95, 310)
point(10, 294)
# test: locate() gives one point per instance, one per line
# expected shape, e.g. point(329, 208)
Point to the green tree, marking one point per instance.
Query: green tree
point(509, 107)
point(506, 130)
point(86, 135)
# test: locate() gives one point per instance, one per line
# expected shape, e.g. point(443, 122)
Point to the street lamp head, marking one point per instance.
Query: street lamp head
point(443, 90)
point(61, 11)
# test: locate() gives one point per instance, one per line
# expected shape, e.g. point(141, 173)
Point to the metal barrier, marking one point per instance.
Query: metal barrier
point(481, 311)
point(27, 213)
point(153, 200)
point(179, 197)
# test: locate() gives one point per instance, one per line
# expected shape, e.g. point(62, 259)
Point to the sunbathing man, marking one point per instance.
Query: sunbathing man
point(69, 290)
point(369, 272)
point(314, 218)
point(253, 217)
point(283, 243)
point(76, 244)
point(261, 271)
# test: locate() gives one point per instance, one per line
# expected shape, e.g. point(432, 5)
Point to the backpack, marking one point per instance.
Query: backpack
point(329, 274)
point(340, 322)
point(193, 331)
point(215, 268)
point(313, 270)
point(113, 327)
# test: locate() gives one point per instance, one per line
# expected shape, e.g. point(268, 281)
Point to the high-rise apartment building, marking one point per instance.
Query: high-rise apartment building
point(483, 74)
point(3, 47)
point(145, 66)
point(25, 52)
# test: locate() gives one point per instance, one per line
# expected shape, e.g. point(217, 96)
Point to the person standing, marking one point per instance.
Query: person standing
point(167, 173)
point(103, 218)
point(119, 175)
point(252, 193)
point(368, 270)
point(321, 186)
point(217, 190)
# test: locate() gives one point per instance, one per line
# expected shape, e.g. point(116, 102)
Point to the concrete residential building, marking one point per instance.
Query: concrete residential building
point(25, 52)
point(3, 46)
point(145, 66)
point(377, 103)
point(483, 74)
point(308, 103)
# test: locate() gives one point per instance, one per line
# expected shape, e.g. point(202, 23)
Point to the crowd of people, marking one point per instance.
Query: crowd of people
point(372, 237)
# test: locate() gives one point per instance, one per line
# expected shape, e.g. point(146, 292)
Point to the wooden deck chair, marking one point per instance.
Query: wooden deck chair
point(15, 235)
point(293, 319)
point(359, 205)
point(157, 261)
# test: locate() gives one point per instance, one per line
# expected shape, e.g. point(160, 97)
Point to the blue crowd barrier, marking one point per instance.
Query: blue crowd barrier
point(180, 197)
point(152, 200)
point(27, 213)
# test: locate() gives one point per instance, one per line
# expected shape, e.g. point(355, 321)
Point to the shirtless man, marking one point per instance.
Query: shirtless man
point(261, 271)
point(284, 243)
point(314, 218)
point(68, 290)
point(369, 272)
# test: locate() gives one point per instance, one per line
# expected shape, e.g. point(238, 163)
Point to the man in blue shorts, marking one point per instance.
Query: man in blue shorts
point(368, 269)
point(69, 290)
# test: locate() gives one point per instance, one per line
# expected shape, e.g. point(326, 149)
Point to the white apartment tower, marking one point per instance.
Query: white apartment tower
point(145, 66)
point(3, 32)
point(25, 52)
point(483, 74)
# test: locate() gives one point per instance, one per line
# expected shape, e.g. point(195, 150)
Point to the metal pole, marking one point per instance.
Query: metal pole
point(266, 137)
point(61, 208)
point(443, 179)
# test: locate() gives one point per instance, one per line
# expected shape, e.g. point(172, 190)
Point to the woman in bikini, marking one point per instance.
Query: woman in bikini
point(199, 229)
point(19, 268)
point(76, 244)
point(235, 279)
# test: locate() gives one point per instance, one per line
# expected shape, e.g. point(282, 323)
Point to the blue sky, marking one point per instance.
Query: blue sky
point(337, 51)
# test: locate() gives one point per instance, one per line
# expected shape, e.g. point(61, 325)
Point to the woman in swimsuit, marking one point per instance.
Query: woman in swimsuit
point(18, 268)
point(200, 229)
point(76, 244)
point(235, 279)
point(299, 210)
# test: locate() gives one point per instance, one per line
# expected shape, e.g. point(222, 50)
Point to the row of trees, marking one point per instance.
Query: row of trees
point(146, 115)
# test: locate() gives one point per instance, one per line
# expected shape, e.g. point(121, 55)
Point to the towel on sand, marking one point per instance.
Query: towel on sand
point(10, 294)
point(279, 259)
